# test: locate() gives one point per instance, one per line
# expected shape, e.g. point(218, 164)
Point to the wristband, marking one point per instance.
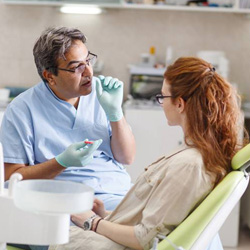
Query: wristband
point(97, 224)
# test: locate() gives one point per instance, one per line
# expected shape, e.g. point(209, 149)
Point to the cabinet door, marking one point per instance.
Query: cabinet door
point(154, 138)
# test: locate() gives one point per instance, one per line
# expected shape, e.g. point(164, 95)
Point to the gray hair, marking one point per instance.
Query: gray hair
point(52, 45)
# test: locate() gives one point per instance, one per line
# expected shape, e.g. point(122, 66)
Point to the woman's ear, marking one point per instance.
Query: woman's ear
point(181, 105)
point(49, 77)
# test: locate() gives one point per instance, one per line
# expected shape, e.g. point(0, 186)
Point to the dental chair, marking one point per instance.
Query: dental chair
point(201, 226)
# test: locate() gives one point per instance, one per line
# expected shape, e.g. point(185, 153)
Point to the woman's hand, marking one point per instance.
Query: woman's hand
point(99, 208)
point(79, 219)
point(124, 235)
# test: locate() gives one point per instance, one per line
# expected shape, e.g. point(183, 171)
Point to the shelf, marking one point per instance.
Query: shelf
point(100, 3)
point(186, 8)
point(121, 4)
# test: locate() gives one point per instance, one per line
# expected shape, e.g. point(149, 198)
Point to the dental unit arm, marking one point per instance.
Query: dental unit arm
point(37, 212)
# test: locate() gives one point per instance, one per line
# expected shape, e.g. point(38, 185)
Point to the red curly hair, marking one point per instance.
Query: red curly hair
point(214, 119)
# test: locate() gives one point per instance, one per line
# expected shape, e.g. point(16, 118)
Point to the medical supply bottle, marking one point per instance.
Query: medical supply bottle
point(152, 56)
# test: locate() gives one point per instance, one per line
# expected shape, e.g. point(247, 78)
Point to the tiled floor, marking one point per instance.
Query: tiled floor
point(244, 240)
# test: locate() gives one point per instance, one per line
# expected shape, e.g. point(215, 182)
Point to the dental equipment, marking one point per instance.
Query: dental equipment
point(162, 237)
point(37, 212)
point(88, 142)
point(202, 225)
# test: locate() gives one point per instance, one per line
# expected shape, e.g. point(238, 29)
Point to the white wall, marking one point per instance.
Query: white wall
point(120, 36)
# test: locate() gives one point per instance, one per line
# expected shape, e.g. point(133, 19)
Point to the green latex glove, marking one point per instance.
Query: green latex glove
point(78, 154)
point(110, 94)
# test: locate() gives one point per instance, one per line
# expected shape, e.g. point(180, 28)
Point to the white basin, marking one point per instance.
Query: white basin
point(53, 196)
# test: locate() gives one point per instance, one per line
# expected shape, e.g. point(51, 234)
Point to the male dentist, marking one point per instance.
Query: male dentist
point(46, 130)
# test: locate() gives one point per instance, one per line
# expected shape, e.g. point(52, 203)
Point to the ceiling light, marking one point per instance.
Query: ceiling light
point(81, 10)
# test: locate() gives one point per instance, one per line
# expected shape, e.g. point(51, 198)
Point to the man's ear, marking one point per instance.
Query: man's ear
point(180, 105)
point(49, 77)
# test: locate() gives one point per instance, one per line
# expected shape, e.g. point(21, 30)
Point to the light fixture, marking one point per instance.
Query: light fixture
point(80, 9)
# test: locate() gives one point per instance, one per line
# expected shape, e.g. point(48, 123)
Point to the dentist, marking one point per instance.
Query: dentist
point(45, 129)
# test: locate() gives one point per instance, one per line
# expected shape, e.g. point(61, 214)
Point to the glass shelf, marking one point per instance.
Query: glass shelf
point(122, 4)
point(104, 3)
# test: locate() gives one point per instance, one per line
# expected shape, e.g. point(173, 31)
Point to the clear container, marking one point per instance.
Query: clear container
point(53, 196)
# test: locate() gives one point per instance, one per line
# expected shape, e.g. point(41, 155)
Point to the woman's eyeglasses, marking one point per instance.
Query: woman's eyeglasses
point(159, 98)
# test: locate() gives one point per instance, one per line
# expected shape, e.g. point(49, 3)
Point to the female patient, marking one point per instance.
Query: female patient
point(195, 97)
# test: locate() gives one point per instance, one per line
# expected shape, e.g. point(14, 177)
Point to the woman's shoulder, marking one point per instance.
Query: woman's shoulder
point(186, 155)
point(189, 162)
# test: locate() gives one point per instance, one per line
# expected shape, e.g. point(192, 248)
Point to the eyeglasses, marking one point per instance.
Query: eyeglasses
point(159, 98)
point(79, 69)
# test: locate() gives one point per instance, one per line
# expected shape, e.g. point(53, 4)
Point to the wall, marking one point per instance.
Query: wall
point(120, 36)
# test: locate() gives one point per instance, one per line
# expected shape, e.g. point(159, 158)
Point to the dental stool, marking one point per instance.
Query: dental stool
point(201, 226)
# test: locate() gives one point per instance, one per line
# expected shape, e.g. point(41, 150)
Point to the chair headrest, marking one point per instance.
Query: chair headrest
point(241, 158)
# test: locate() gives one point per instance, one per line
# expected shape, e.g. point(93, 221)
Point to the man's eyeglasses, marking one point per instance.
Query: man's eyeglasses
point(159, 98)
point(79, 69)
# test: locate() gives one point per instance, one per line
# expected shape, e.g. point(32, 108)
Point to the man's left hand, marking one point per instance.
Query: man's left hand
point(110, 95)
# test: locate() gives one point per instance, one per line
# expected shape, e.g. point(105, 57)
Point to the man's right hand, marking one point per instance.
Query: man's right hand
point(78, 154)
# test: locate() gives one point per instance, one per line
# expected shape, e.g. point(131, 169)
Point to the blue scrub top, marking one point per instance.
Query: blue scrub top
point(37, 126)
